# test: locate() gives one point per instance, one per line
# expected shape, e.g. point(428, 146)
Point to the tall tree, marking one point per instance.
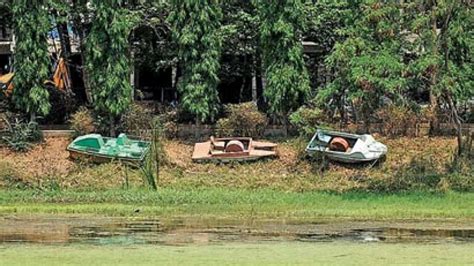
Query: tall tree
point(287, 80)
point(32, 63)
point(368, 64)
point(196, 29)
point(444, 36)
point(107, 60)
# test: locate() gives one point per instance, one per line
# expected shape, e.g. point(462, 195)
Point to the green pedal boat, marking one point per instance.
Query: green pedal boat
point(100, 149)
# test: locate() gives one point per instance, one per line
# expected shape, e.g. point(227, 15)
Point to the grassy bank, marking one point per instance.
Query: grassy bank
point(412, 164)
point(238, 203)
point(241, 254)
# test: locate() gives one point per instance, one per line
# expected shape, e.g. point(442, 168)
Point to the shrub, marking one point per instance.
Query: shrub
point(83, 122)
point(9, 176)
point(242, 120)
point(461, 181)
point(62, 106)
point(137, 119)
point(398, 120)
point(169, 120)
point(21, 135)
point(307, 119)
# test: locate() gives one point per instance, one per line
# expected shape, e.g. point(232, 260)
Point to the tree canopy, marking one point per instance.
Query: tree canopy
point(107, 57)
point(32, 63)
point(365, 54)
point(196, 26)
point(282, 23)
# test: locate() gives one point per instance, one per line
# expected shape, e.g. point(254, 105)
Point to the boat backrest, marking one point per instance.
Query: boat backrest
point(93, 141)
point(122, 139)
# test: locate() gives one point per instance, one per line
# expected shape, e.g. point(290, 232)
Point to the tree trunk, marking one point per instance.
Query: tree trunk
point(244, 81)
point(175, 80)
point(132, 74)
point(254, 80)
point(78, 24)
point(64, 39)
point(112, 125)
point(241, 90)
point(457, 122)
point(260, 82)
point(33, 116)
point(434, 123)
point(197, 131)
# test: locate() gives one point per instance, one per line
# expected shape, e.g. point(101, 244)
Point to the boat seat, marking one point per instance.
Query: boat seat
point(217, 145)
point(101, 141)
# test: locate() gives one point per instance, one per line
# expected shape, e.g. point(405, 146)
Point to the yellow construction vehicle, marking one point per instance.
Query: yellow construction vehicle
point(60, 79)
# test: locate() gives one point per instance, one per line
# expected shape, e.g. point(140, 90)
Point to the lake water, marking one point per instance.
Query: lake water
point(187, 231)
point(91, 240)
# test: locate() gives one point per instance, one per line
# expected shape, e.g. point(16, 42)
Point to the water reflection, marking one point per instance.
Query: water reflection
point(108, 231)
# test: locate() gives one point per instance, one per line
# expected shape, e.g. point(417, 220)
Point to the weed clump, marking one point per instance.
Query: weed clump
point(10, 177)
point(399, 120)
point(21, 135)
point(137, 119)
point(83, 122)
point(156, 157)
point(242, 120)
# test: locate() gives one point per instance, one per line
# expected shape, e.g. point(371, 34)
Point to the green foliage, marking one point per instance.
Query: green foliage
point(445, 53)
point(368, 63)
point(287, 79)
point(21, 135)
point(242, 120)
point(31, 26)
point(156, 157)
point(153, 46)
point(196, 27)
point(107, 57)
point(306, 120)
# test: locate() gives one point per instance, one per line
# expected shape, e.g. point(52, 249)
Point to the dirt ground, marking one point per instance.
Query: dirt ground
point(48, 162)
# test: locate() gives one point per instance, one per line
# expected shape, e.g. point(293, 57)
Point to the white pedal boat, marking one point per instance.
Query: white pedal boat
point(352, 148)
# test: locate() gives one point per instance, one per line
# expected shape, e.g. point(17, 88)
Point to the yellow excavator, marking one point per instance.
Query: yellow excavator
point(60, 79)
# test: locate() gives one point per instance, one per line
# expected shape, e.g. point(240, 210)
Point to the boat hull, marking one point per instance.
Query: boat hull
point(99, 158)
point(345, 158)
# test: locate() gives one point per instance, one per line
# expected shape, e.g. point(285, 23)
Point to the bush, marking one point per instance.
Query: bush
point(9, 176)
point(398, 120)
point(83, 122)
point(137, 119)
point(242, 120)
point(62, 106)
point(21, 135)
point(169, 120)
point(307, 119)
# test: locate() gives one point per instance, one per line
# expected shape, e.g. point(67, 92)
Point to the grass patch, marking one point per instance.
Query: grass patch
point(344, 253)
point(225, 202)
point(412, 164)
